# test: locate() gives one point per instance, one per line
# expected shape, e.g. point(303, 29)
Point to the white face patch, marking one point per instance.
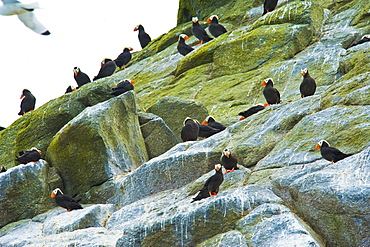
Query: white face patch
point(195, 19)
point(218, 167)
point(56, 191)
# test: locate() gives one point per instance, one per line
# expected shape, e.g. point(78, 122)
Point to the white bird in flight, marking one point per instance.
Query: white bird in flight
point(25, 14)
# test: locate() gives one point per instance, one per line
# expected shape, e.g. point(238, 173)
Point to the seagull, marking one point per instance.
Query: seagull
point(25, 14)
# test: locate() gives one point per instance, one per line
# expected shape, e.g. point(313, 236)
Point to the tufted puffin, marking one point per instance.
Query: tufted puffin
point(308, 85)
point(228, 161)
point(206, 131)
point(123, 58)
point(182, 47)
point(144, 38)
point(65, 201)
point(329, 153)
point(3, 169)
point(80, 77)
point(70, 89)
point(32, 155)
point(190, 130)
point(271, 94)
point(199, 32)
point(28, 102)
point(122, 87)
point(212, 185)
point(251, 111)
point(210, 121)
point(269, 5)
point(108, 67)
point(215, 28)
point(365, 38)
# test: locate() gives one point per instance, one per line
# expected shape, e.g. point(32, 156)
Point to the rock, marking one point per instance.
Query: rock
point(157, 136)
point(79, 151)
point(24, 192)
point(174, 110)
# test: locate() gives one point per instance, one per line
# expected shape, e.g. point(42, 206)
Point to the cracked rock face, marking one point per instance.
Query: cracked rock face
point(121, 159)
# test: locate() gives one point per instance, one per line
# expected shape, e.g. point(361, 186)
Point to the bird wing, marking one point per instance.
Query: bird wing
point(29, 20)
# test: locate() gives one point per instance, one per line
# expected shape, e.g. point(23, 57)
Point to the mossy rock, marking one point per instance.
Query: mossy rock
point(102, 141)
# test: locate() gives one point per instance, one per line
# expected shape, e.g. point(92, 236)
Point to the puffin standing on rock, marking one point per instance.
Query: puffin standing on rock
point(215, 28)
point(329, 153)
point(212, 185)
point(269, 5)
point(182, 47)
point(308, 85)
point(251, 111)
point(228, 161)
point(190, 130)
point(80, 77)
point(32, 155)
point(108, 67)
point(206, 131)
point(365, 38)
point(65, 201)
point(271, 94)
point(199, 32)
point(210, 121)
point(122, 87)
point(144, 38)
point(123, 58)
point(28, 102)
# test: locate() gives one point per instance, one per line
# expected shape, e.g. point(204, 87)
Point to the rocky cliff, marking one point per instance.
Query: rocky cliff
point(122, 159)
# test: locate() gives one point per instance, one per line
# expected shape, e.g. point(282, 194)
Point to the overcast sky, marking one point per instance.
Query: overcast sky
point(83, 32)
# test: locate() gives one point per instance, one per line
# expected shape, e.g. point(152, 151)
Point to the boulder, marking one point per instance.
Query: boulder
point(24, 192)
point(102, 141)
point(157, 136)
point(174, 110)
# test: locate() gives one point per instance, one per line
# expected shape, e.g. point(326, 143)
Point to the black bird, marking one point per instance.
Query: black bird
point(122, 87)
point(210, 121)
point(251, 111)
point(182, 47)
point(108, 67)
point(215, 28)
point(80, 77)
point(3, 169)
point(65, 201)
point(228, 161)
point(365, 38)
point(190, 130)
point(206, 131)
point(269, 5)
point(32, 155)
point(144, 38)
point(199, 32)
point(329, 153)
point(28, 102)
point(212, 185)
point(271, 94)
point(308, 85)
point(2, 128)
point(123, 58)
point(70, 89)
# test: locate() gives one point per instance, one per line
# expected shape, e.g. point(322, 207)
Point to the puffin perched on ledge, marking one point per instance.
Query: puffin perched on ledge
point(271, 94)
point(212, 185)
point(65, 201)
point(215, 28)
point(210, 121)
point(122, 87)
point(190, 130)
point(206, 131)
point(28, 102)
point(251, 111)
point(123, 58)
point(199, 32)
point(228, 161)
point(80, 77)
point(182, 47)
point(329, 153)
point(108, 67)
point(144, 38)
point(32, 155)
point(269, 5)
point(308, 85)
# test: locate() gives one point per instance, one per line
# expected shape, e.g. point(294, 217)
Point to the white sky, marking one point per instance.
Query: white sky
point(83, 32)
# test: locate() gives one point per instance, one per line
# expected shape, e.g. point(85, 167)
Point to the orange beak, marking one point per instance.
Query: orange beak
point(204, 122)
point(135, 29)
point(22, 96)
point(303, 73)
point(52, 195)
point(209, 20)
point(241, 118)
point(317, 146)
point(186, 37)
point(132, 82)
point(76, 73)
point(227, 155)
point(263, 83)
point(131, 49)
